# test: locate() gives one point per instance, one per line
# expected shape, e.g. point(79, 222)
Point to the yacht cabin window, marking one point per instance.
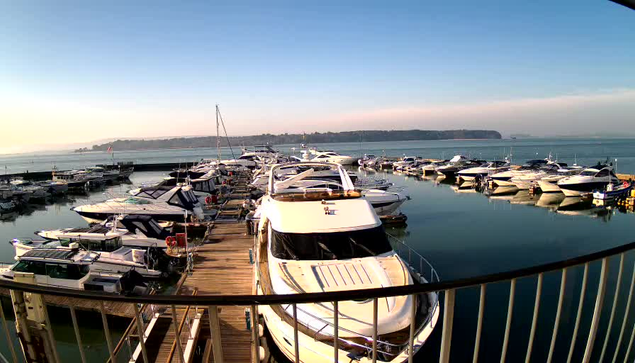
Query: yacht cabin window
point(603, 172)
point(329, 246)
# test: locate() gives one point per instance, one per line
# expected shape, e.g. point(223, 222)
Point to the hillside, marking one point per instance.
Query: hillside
point(314, 138)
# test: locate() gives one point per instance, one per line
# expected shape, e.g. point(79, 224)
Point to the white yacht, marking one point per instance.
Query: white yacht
point(589, 180)
point(69, 269)
point(403, 163)
point(327, 242)
point(131, 231)
point(456, 164)
point(162, 204)
point(119, 261)
point(492, 167)
point(332, 157)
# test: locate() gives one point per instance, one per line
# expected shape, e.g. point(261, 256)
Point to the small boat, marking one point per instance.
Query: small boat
point(405, 162)
point(74, 179)
point(611, 192)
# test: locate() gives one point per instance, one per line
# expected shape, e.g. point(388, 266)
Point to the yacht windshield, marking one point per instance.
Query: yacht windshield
point(589, 173)
point(329, 246)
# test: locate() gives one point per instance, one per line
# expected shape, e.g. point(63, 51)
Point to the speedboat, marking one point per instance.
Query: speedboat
point(174, 204)
point(492, 167)
point(137, 231)
point(456, 164)
point(589, 180)
point(322, 241)
point(503, 178)
point(403, 163)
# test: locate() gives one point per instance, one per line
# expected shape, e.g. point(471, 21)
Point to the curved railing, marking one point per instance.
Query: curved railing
point(448, 288)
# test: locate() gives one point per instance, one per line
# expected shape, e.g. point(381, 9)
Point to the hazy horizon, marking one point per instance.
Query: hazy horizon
point(75, 72)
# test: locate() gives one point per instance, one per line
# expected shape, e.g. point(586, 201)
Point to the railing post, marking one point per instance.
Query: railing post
point(479, 323)
point(508, 324)
point(78, 336)
point(214, 328)
point(626, 314)
point(579, 314)
point(599, 300)
point(177, 335)
point(104, 322)
point(534, 320)
point(142, 333)
point(255, 327)
point(615, 298)
point(7, 334)
point(411, 338)
point(556, 324)
point(336, 333)
point(448, 320)
point(375, 307)
point(296, 340)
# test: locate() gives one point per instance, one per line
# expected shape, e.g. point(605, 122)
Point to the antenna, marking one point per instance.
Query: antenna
point(217, 134)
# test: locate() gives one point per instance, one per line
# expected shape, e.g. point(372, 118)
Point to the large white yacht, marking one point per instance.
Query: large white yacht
point(492, 167)
point(589, 180)
point(327, 241)
point(163, 204)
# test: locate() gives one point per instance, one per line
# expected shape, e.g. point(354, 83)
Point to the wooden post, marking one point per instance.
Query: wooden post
point(214, 330)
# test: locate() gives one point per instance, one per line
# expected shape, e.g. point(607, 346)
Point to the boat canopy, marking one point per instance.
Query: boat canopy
point(145, 224)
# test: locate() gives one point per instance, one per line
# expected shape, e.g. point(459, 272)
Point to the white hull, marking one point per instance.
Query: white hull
point(548, 187)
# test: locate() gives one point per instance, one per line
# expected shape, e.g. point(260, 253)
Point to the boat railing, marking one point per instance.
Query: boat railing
point(417, 264)
point(604, 332)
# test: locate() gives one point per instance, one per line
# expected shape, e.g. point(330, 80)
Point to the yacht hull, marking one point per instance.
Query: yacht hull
point(576, 190)
point(549, 187)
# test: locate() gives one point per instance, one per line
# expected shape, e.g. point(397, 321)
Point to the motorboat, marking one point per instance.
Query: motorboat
point(384, 202)
point(529, 166)
point(589, 180)
point(403, 163)
point(431, 168)
point(203, 187)
point(320, 241)
point(456, 164)
point(332, 157)
point(613, 192)
point(119, 261)
point(109, 175)
point(36, 192)
point(549, 183)
point(122, 169)
point(71, 269)
point(75, 179)
point(54, 187)
point(137, 231)
point(492, 167)
point(175, 204)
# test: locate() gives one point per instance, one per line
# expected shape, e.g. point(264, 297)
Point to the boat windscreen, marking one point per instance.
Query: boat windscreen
point(330, 246)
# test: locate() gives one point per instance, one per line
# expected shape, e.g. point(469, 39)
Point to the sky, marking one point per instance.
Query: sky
point(72, 72)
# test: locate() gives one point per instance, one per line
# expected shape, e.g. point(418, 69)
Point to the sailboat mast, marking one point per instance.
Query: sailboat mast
point(217, 134)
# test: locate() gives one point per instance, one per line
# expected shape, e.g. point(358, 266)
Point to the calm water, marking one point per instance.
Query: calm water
point(462, 234)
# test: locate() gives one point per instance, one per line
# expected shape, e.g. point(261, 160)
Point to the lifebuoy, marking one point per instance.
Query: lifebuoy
point(208, 200)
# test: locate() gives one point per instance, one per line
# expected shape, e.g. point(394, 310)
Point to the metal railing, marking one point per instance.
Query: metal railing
point(604, 331)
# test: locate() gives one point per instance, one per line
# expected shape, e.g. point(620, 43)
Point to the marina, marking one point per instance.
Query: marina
point(223, 251)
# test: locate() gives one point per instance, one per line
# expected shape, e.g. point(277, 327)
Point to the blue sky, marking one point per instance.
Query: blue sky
point(152, 69)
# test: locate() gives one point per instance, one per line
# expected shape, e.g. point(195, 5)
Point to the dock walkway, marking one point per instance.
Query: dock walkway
point(222, 266)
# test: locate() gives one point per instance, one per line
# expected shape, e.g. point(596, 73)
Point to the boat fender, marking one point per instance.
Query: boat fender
point(170, 241)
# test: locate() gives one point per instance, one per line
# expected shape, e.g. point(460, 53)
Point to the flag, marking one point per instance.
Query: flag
point(109, 149)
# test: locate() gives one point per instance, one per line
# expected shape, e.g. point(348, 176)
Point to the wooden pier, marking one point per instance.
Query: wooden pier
point(222, 266)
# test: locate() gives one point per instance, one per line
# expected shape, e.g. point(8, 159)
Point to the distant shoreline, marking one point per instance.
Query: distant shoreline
point(282, 139)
